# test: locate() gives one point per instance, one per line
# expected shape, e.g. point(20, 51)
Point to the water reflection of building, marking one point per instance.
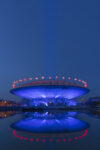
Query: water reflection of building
point(5, 114)
point(50, 138)
point(94, 113)
point(50, 127)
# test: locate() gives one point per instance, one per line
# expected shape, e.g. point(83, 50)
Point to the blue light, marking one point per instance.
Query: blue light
point(71, 103)
point(47, 92)
point(50, 125)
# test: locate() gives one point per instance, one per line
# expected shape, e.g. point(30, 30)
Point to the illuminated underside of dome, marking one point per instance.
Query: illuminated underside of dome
point(49, 89)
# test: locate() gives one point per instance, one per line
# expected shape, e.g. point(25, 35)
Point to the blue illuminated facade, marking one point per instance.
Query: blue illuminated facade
point(50, 95)
point(50, 91)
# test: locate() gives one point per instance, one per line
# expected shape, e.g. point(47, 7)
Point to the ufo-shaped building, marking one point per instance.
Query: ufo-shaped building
point(49, 92)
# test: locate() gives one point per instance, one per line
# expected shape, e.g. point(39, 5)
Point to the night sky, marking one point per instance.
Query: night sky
point(49, 37)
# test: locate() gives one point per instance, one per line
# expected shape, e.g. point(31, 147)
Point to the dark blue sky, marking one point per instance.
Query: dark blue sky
point(49, 37)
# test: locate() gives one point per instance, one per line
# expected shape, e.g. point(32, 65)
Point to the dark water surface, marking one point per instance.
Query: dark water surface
point(50, 131)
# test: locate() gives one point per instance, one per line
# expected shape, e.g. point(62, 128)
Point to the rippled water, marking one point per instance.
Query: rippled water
point(50, 130)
